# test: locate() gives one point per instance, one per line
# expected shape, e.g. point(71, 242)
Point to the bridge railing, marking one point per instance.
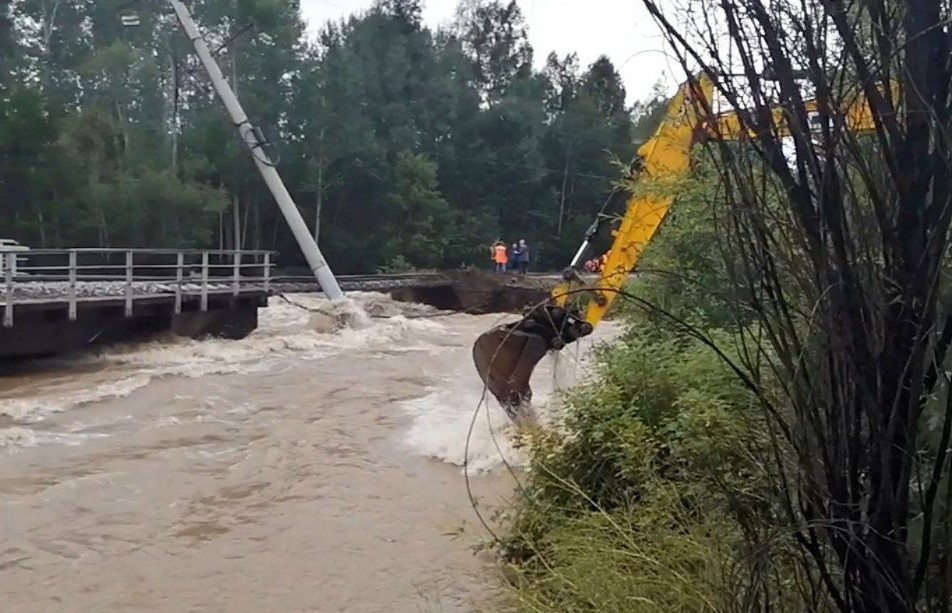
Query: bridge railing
point(76, 275)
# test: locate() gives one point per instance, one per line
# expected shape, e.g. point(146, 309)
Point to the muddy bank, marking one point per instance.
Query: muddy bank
point(478, 292)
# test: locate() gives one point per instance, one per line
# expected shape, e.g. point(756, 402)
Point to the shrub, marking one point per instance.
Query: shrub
point(640, 501)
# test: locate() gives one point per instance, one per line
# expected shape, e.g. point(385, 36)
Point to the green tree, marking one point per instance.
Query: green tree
point(419, 218)
point(113, 111)
point(495, 38)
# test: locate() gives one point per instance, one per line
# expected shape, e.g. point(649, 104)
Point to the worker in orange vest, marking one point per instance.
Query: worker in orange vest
point(598, 264)
point(500, 257)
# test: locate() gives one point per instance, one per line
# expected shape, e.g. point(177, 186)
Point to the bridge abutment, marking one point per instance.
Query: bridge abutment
point(46, 330)
point(233, 321)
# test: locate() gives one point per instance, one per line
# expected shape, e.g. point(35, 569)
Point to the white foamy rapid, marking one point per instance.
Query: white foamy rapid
point(285, 332)
point(461, 423)
point(231, 474)
point(359, 331)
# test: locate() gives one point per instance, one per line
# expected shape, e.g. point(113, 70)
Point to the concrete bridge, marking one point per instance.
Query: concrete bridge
point(57, 301)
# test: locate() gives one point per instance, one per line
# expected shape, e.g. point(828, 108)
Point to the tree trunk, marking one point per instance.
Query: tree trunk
point(319, 204)
point(565, 178)
point(123, 131)
point(173, 124)
point(236, 222)
point(244, 226)
point(257, 226)
point(48, 27)
point(42, 225)
point(103, 230)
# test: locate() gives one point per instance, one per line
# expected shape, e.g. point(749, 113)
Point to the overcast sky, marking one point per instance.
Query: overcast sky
point(620, 29)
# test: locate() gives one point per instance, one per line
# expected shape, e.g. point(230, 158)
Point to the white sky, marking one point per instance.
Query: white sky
point(620, 29)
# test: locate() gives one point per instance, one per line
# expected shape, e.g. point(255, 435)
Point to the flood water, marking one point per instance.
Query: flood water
point(289, 471)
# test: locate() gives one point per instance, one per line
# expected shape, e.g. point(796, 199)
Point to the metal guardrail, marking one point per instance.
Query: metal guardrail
point(81, 275)
point(74, 276)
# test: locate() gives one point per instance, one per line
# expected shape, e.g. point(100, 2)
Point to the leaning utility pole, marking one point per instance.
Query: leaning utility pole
point(253, 138)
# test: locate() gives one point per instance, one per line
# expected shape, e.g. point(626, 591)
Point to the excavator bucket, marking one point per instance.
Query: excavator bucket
point(507, 355)
point(505, 359)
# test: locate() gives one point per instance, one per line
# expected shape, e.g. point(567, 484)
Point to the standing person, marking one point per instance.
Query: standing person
point(523, 258)
point(500, 257)
point(514, 257)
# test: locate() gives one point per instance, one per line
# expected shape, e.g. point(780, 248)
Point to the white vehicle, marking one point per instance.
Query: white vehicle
point(7, 245)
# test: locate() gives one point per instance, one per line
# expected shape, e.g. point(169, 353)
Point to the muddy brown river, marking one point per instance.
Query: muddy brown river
point(289, 471)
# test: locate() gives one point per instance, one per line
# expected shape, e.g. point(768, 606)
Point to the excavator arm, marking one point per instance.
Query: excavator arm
point(664, 158)
point(507, 355)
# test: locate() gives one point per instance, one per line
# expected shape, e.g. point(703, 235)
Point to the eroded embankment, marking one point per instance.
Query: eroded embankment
point(477, 292)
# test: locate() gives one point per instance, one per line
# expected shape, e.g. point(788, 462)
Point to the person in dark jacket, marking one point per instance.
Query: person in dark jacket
point(523, 257)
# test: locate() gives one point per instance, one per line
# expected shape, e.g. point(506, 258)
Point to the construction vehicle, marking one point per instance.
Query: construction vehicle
point(506, 356)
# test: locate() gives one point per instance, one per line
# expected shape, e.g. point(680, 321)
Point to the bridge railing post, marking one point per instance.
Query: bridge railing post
point(72, 284)
point(236, 272)
point(179, 277)
point(266, 274)
point(129, 277)
point(9, 261)
point(204, 280)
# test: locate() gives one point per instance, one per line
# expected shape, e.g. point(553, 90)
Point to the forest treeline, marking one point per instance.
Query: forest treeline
point(409, 147)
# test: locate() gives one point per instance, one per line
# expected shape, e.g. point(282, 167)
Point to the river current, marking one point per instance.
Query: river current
point(293, 470)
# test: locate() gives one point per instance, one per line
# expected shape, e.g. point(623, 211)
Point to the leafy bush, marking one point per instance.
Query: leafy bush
point(395, 265)
point(639, 501)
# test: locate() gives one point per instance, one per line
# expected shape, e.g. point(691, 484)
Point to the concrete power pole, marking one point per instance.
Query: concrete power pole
point(250, 135)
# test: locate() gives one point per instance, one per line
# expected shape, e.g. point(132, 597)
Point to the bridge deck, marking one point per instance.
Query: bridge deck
point(53, 301)
point(75, 278)
point(39, 279)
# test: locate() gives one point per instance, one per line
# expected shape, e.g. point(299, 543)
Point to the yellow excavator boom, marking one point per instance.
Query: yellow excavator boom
point(666, 157)
point(506, 355)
